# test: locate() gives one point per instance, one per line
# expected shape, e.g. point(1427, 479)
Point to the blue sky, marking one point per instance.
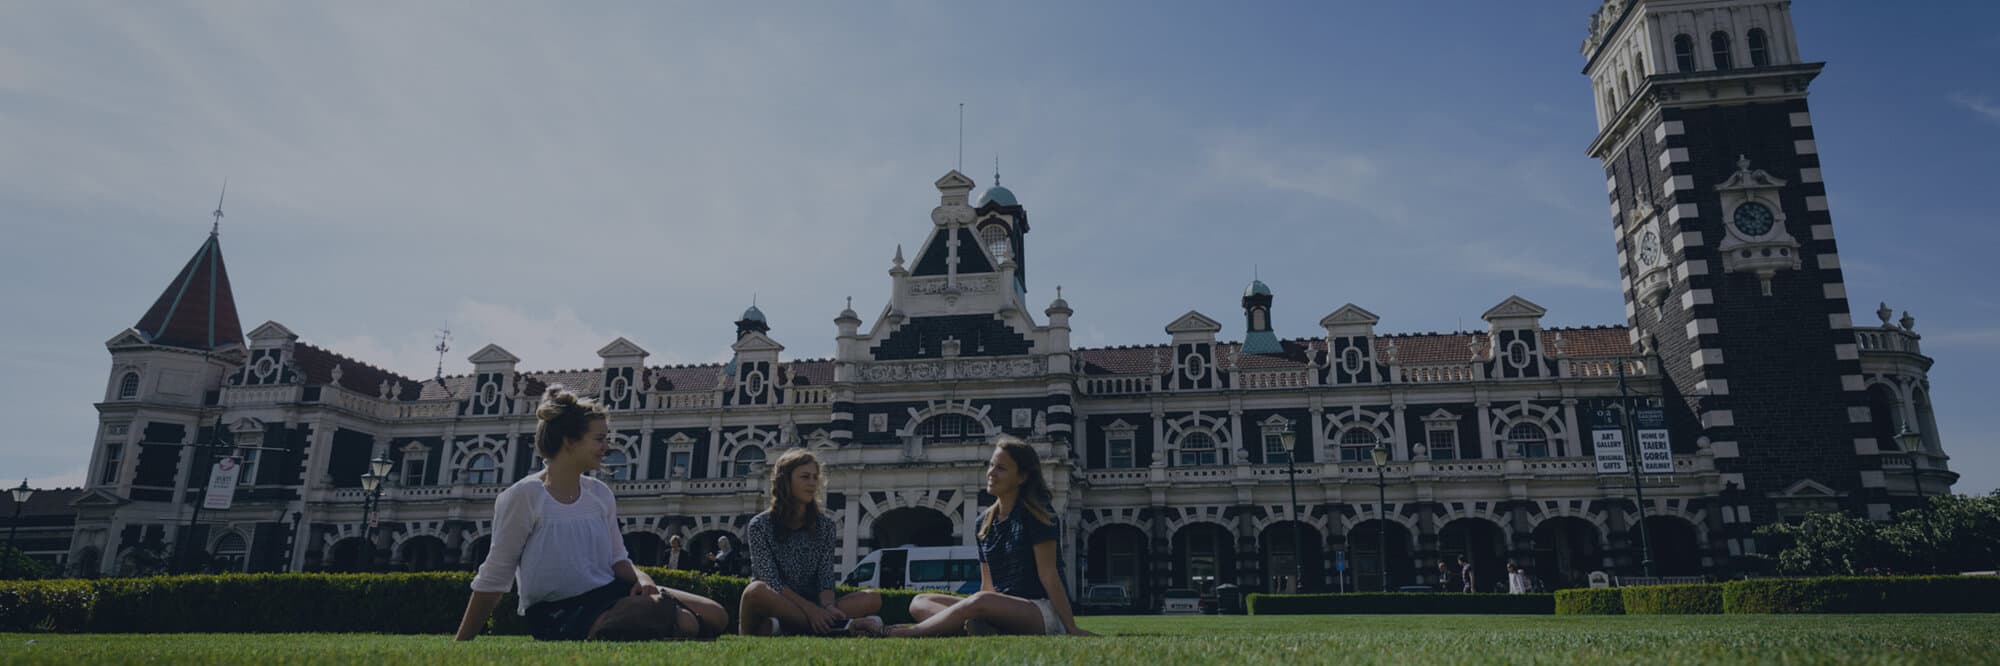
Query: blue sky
point(549, 178)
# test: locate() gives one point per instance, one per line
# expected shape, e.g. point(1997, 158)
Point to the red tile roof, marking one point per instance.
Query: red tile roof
point(1457, 347)
point(198, 309)
point(355, 376)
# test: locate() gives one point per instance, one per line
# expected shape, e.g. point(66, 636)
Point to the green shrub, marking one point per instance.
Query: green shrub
point(1701, 599)
point(1401, 603)
point(1590, 601)
point(46, 605)
point(399, 603)
point(1907, 594)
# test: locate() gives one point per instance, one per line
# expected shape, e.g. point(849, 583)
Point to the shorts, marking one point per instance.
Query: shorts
point(1051, 625)
point(570, 619)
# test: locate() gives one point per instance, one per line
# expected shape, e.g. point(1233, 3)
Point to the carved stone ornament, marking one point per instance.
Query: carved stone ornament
point(1754, 221)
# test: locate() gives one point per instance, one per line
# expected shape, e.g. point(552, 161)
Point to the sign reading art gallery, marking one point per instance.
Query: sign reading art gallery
point(221, 484)
point(1656, 453)
point(1607, 438)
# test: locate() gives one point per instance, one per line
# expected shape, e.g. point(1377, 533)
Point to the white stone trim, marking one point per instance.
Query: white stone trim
point(1859, 415)
point(1679, 211)
point(1694, 297)
point(1878, 512)
point(1701, 327)
point(1811, 175)
point(1671, 128)
point(1816, 203)
point(1853, 383)
point(1677, 183)
point(1687, 239)
point(1705, 357)
point(1733, 478)
point(1867, 446)
point(1671, 156)
point(1801, 119)
point(1713, 386)
point(1835, 289)
point(1721, 418)
point(1805, 147)
point(1829, 261)
point(1725, 449)
point(1840, 321)
point(1847, 352)
point(1822, 232)
point(1873, 478)
point(1611, 184)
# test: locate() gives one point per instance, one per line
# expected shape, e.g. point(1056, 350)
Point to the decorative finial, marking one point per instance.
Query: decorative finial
point(996, 170)
point(1885, 313)
point(1742, 163)
point(1058, 291)
point(850, 302)
point(753, 299)
point(1909, 323)
point(443, 345)
point(216, 228)
point(899, 255)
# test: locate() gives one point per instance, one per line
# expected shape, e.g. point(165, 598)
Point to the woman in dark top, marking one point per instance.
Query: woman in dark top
point(1021, 590)
point(793, 547)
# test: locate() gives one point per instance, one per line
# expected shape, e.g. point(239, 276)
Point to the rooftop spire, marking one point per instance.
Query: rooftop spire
point(216, 228)
point(198, 309)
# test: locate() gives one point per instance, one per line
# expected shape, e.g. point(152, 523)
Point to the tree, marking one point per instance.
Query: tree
point(1952, 533)
point(1831, 544)
point(16, 565)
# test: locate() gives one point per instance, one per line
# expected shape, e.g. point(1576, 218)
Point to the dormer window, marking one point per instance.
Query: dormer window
point(994, 238)
point(128, 387)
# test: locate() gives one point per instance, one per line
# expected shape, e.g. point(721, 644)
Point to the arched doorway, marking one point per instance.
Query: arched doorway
point(1366, 558)
point(229, 553)
point(1287, 546)
point(1676, 552)
point(347, 555)
point(914, 526)
point(475, 552)
point(1567, 549)
point(87, 563)
point(1117, 555)
point(1204, 557)
point(646, 549)
point(1483, 545)
point(422, 553)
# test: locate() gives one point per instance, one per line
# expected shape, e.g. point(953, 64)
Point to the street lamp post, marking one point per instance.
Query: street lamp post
point(1910, 440)
point(371, 485)
point(1298, 541)
point(1381, 455)
point(21, 495)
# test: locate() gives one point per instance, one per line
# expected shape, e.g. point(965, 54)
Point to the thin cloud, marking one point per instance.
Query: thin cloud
point(1979, 104)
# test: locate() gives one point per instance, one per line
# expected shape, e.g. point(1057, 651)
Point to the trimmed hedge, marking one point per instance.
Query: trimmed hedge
point(1697, 599)
point(403, 603)
point(1853, 594)
point(1401, 603)
point(1590, 601)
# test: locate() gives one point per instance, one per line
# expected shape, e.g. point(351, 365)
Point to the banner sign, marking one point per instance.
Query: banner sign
point(221, 484)
point(1656, 453)
point(1608, 440)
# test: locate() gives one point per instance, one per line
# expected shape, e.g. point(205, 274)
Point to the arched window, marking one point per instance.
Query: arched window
point(1198, 449)
point(1683, 53)
point(748, 458)
point(229, 551)
point(617, 466)
point(994, 238)
point(1531, 439)
point(482, 470)
point(1760, 55)
point(1356, 443)
point(128, 387)
point(1718, 44)
point(949, 429)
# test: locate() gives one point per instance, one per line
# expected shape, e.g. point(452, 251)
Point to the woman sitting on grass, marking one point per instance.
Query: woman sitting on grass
point(793, 547)
point(555, 535)
point(1020, 590)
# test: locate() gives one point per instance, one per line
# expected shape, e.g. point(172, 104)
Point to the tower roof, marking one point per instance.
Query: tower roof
point(754, 314)
point(1256, 288)
point(198, 309)
point(999, 195)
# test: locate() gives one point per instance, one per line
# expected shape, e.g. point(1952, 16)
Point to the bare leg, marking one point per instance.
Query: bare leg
point(926, 605)
point(761, 603)
point(714, 618)
point(859, 604)
point(1012, 615)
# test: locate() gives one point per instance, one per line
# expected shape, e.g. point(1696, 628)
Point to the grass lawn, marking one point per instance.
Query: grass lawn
point(1345, 639)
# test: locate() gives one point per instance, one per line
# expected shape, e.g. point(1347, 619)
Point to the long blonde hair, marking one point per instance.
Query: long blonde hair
point(785, 507)
point(1034, 492)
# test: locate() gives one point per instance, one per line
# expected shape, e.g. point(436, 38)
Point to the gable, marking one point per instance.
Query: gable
point(1194, 322)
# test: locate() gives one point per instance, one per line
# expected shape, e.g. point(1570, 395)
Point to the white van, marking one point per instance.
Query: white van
point(943, 568)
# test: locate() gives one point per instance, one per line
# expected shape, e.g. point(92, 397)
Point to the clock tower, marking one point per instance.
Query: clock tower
point(1726, 250)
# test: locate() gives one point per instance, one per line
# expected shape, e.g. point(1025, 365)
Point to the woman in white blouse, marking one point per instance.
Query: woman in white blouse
point(555, 536)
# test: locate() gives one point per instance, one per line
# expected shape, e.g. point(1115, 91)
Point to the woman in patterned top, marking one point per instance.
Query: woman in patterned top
point(1021, 590)
point(793, 547)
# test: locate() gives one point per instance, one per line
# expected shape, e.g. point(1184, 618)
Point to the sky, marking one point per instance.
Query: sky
point(549, 177)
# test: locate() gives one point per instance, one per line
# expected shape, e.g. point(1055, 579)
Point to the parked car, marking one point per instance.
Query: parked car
point(1181, 600)
point(1105, 599)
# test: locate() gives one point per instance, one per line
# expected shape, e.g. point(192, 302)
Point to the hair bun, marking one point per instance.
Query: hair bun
point(555, 400)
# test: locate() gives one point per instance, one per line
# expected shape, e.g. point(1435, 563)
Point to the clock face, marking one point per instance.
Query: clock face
point(1649, 249)
point(1754, 219)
